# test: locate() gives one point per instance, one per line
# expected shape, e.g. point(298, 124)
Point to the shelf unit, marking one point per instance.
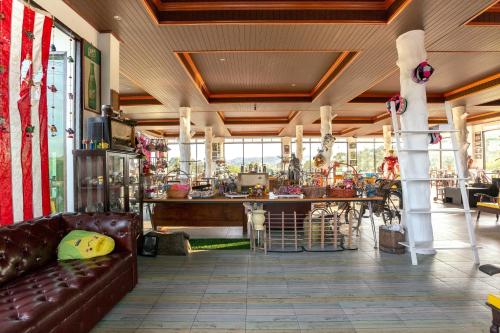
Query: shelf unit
point(435, 245)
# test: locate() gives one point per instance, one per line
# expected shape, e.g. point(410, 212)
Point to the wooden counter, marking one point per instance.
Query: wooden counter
point(226, 212)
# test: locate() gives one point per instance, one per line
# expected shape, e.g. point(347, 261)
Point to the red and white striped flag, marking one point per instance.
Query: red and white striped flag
point(24, 165)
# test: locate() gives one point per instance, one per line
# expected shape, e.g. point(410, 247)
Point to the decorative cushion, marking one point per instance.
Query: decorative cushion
point(81, 244)
point(494, 300)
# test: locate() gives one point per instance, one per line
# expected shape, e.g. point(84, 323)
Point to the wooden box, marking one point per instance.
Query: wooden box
point(389, 241)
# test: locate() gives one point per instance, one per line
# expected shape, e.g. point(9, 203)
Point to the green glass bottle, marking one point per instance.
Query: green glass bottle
point(92, 92)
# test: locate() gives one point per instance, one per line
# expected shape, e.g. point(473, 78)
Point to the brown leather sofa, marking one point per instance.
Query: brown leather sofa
point(38, 294)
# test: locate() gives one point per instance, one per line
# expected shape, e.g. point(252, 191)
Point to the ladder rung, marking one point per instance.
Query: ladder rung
point(428, 179)
point(425, 131)
point(444, 210)
point(441, 245)
point(426, 150)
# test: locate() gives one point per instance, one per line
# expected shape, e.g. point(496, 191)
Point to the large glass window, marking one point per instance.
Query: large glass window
point(492, 150)
point(61, 116)
point(233, 155)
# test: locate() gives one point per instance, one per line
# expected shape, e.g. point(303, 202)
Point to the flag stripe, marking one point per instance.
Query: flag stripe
point(34, 110)
point(15, 120)
point(6, 216)
point(44, 140)
point(24, 105)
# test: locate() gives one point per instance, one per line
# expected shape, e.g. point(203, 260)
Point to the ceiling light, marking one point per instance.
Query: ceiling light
point(222, 59)
point(293, 85)
point(117, 18)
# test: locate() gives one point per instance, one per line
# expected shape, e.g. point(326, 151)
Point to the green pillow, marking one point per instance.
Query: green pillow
point(81, 244)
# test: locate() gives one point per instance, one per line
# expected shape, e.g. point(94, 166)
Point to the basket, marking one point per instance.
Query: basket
point(389, 241)
point(177, 194)
point(314, 191)
point(337, 192)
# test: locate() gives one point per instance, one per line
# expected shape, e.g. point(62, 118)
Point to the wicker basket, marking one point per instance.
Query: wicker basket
point(177, 194)
point(314, 191)
point(337, 192)
point(389, 241)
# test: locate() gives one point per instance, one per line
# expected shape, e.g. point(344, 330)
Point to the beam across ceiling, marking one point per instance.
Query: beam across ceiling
point(257, 120)
point(134, 100)
point(174, 12)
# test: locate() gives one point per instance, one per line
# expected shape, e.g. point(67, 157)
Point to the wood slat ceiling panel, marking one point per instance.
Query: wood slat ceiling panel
point(147, 57)
point(127, 86)
point(263, 71)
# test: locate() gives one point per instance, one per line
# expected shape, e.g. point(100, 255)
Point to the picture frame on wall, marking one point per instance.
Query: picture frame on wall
point(91, 77)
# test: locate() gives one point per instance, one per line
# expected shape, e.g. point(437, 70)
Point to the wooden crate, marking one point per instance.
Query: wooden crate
point(389, 241)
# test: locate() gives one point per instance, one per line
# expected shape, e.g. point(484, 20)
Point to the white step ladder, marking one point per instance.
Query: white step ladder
point(435, 245)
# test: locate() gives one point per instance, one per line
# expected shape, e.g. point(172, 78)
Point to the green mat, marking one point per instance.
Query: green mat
point(220, 244)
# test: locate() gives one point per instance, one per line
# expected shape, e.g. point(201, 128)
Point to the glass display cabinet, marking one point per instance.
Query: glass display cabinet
point(107, 181)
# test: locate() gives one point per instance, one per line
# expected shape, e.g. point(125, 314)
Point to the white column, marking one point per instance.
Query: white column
point(208, 151)
point(185, 138)
point(110, 65)
point(387, 129)
point(299, 135)
point(326, 115)
point(326, 119)
point(460, 123)
point(411, 52)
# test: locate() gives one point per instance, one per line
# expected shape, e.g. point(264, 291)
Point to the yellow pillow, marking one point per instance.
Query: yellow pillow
point(494, 300)
point(81, 244)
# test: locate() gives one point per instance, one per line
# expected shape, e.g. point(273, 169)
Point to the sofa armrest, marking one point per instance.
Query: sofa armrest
point(122, 227)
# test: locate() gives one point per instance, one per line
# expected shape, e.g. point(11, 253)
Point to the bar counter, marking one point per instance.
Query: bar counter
point(229, 212)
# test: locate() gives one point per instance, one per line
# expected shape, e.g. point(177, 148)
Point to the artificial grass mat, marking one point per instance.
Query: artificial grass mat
point(220, 244)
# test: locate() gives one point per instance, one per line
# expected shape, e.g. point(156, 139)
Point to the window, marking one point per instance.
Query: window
point(61, 106)
point(233, 154)
point(492, 150)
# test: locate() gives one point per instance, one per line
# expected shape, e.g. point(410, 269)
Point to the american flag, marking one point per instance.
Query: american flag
point(24, 166)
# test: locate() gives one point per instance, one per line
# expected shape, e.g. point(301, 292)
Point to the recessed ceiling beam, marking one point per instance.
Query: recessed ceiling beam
point(133, 100)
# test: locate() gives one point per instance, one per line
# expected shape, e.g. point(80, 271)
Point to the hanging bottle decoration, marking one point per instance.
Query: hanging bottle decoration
point(53, 90)
point(423, 72)
point(53, 130)
point(53, 48)
point(400, 103)
point(70, 131)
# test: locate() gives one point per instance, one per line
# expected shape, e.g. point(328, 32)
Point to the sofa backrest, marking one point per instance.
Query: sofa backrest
point(27, 246)
point(122, 227)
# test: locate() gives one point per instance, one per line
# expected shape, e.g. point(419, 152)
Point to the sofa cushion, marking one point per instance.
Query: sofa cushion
point(27, 246)
point(42, 299)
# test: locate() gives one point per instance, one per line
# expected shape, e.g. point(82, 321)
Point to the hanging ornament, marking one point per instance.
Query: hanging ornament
point(2, 69)
point(3, 126)
point(53, 130)
point(70, 59)
point(2, 16)
point(423, 72)
point(70, 96)
point(52, 88)
point(29, 34)
point(71, 133)
point(399, 102)
point(30, 129)
point(53, 48)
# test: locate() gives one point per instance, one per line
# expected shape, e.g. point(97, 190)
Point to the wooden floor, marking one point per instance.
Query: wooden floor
point(350, 291)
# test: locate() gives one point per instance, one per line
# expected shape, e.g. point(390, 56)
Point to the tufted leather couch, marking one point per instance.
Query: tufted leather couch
point(38, 294)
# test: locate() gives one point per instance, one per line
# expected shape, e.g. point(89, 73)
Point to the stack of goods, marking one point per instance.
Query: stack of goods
point(342, 189)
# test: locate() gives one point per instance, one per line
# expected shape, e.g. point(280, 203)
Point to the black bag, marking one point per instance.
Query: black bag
point(150, 245)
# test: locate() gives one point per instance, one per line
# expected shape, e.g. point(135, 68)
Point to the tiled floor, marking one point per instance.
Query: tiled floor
point(351, 291)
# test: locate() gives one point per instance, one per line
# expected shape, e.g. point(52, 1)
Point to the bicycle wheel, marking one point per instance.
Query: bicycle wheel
point(391, 213)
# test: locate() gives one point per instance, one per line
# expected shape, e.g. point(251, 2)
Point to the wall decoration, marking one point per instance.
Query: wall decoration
point(91, 74)
point(24, 162)
point(478, 145)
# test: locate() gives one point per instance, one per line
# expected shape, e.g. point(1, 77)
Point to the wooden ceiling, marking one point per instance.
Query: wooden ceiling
point(262, 59)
